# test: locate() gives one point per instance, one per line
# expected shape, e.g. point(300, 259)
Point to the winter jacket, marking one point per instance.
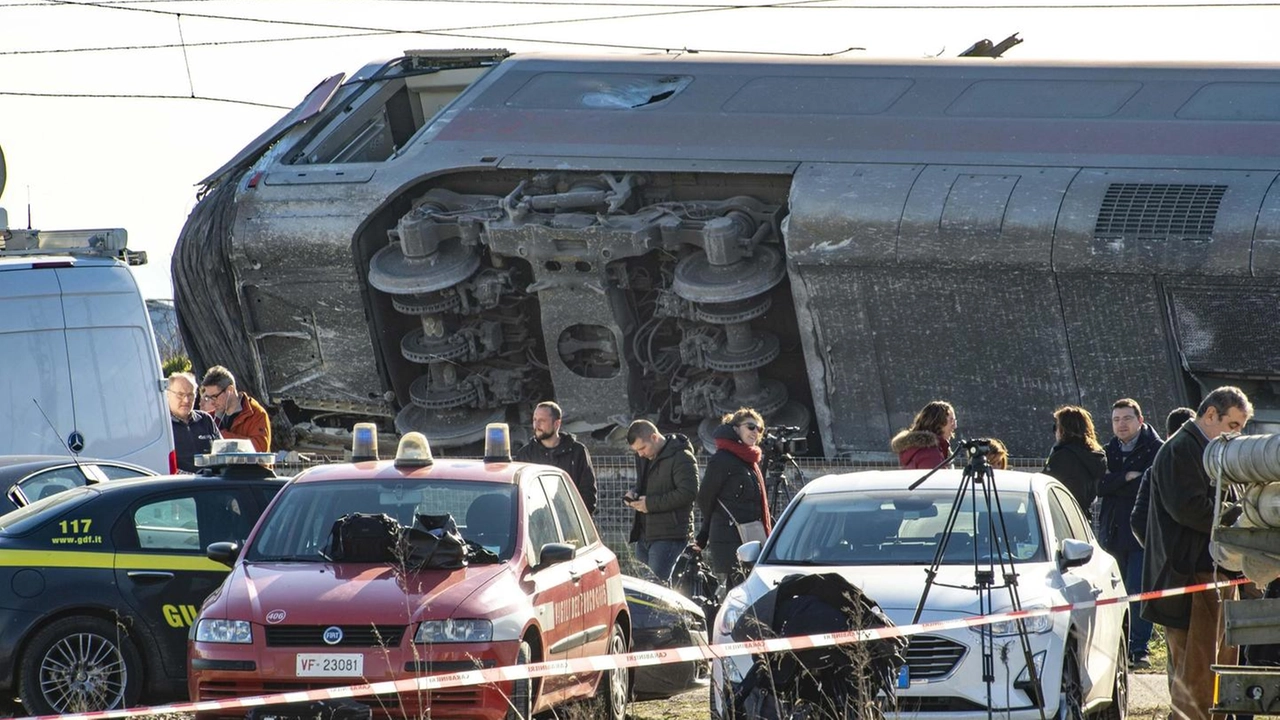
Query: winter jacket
point(570, 456)
point(250, 423)
point(733, 483)
point(193, 436)
point(1117, 494)
point(1178, 525)
point(1141, 509)
point(1077, 467)
point(920, 449)
point(669, 484)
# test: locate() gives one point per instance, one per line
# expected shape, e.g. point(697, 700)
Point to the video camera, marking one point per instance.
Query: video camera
point(977, 446)
point(782, 440)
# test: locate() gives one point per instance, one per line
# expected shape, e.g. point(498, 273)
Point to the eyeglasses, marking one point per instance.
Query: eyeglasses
point(751, 426)
point(211, 398)
point(183, 395)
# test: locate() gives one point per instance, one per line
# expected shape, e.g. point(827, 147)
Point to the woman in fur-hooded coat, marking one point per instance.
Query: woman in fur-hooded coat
point(927, 443)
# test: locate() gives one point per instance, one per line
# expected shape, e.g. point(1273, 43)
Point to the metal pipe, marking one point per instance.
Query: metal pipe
point(1243, 458)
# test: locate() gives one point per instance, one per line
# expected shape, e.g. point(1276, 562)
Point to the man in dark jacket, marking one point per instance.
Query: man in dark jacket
point(549, 446)
point(1129, 454)
point(666, 485)
point(1176, 418)
point(1179, 521)
point(193, 431)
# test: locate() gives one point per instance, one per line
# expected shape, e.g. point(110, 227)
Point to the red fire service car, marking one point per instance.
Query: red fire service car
point(357, 573)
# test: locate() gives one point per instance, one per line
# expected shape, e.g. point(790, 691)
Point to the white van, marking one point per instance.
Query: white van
point(79, 369)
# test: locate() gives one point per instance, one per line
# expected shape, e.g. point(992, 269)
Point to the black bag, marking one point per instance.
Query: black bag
point(435, 543)
point(694, 579)
point(365, 538)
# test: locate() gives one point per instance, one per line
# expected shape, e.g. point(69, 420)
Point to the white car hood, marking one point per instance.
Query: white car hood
point(897, 589)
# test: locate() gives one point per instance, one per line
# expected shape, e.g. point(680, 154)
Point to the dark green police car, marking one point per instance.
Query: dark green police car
point(101, 583)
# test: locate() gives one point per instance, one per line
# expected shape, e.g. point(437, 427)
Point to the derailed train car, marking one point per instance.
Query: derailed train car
point(445, 238)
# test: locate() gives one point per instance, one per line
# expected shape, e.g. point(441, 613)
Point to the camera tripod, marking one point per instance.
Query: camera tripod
point(978, 476)
point(781, 481)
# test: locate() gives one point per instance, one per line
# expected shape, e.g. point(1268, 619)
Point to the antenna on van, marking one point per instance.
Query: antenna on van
point(74, 458)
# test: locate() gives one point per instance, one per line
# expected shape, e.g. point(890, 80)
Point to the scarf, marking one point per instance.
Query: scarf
point(750, 454)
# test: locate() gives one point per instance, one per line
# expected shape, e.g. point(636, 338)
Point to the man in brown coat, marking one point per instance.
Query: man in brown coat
point(238, 415)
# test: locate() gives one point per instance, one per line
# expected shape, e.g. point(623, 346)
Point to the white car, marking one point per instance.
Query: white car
point(872, 530)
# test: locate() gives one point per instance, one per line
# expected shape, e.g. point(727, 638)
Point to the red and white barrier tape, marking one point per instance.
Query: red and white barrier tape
point(614, 662)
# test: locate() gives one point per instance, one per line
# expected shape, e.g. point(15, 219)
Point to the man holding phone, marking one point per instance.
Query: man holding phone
point(666, 485)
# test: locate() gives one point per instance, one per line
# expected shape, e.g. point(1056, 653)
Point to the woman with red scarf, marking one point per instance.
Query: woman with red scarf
point(732, 491)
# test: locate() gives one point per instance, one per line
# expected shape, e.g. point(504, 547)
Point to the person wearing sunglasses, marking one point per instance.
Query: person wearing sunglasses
point(238, 415)
point(927, 443)
point(732, 496)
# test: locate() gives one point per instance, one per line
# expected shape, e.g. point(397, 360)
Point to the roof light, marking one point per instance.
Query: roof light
point(414, 451)
point(364, 442)
point(238, 451)
point(497, 443)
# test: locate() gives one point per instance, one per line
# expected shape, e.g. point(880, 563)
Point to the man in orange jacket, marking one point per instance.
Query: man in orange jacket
point(238, 415)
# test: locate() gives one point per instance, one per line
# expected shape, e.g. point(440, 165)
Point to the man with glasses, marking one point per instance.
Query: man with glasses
point(238, 415)
point(193, 431)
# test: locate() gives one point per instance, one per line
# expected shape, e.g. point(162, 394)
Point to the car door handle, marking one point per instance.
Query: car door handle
point(574, 576)
point(602, 566)
point(150, 575)
point(1115, 581)
point(1096, 591)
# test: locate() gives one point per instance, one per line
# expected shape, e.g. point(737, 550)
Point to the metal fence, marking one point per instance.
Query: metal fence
point(615, 474)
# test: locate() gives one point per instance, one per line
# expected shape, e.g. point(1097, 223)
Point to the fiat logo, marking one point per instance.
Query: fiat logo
point(275, 616)
point(332, 635)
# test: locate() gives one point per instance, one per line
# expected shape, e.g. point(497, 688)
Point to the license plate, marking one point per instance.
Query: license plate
point(904, 677)
point(330, 664)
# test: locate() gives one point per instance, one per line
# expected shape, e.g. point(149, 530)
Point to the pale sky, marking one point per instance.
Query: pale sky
point(87, 162)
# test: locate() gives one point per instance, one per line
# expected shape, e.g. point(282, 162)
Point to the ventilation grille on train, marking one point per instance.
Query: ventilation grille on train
point(1132, 211)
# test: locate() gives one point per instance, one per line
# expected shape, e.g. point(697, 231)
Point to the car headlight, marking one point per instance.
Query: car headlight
point(454, 631)
point(224, 631)
point(735, 603)
point(1035, 624)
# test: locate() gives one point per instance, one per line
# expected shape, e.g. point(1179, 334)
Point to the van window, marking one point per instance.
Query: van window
point(35, 371)
point(114, 391)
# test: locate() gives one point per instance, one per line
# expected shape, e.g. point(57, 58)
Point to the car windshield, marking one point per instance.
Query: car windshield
point(900, 527)
point(27, 518)
point(298, 526)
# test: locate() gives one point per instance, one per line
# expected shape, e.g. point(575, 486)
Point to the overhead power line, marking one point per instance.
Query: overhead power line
point(142, 96)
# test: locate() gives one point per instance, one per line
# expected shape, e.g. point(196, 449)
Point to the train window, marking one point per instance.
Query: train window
point(818, 95)
point(1233, 101)
point(1044, 98)
point(383, 118)
point(597, 92)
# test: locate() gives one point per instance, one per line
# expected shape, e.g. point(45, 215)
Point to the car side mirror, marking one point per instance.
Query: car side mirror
point(554, 553)
point(223, 552)
point(749, 553)
point(1074, 553)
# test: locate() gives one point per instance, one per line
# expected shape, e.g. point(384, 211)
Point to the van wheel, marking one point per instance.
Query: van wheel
point(80, 664)
point(521, 700)
point(615, 685)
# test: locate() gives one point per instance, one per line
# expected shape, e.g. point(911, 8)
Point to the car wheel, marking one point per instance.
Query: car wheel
point(1071, 695)
point(615, 685)
point(521, 700)
point(80, 664)
point(1119, 707)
